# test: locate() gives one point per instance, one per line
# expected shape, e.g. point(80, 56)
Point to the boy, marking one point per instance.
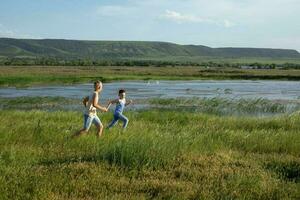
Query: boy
point(90, 115)
point(120, 105)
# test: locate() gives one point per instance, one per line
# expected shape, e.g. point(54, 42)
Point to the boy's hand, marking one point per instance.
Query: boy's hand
point(128, 102)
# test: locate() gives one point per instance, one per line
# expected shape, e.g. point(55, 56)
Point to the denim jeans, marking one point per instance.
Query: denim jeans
point(89, 119)
point(117, 117)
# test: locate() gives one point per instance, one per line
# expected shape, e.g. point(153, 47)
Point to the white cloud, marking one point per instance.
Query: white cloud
point(228, 24)
point(5, 32)
point(181, 18)
point(187, 18)
point(242, 12)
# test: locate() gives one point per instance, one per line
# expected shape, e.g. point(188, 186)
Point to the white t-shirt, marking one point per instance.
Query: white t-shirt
point(90, 109)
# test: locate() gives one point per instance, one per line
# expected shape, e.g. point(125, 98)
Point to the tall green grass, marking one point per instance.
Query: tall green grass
point(162, 155)
point(225, 106)
point(217, 106)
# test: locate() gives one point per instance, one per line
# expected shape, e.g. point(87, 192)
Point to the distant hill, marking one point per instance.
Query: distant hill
point(70, 49)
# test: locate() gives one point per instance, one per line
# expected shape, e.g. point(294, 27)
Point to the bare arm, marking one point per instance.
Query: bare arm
point(128, 102)
point(96, 105)
point(111, 102)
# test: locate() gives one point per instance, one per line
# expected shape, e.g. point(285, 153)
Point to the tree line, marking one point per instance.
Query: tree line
point(144, 63)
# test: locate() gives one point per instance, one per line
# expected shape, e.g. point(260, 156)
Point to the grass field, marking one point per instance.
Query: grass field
point(218, 106)
point(201, 149)
point(36, 75)
point(162, 155)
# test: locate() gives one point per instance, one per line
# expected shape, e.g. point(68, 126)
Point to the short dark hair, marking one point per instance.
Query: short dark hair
point(121, 91)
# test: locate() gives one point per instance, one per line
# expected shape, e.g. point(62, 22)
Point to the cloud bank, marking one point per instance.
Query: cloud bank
point(187, 18)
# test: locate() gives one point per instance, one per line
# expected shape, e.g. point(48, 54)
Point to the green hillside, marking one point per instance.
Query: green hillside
point(69, 49)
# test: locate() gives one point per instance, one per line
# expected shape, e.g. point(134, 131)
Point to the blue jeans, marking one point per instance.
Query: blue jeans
point(88, 120)
point(117, 117)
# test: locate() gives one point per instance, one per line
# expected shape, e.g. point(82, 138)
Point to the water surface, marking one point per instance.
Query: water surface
point(272, 90)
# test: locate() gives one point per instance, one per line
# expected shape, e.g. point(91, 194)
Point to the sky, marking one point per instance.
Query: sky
point(214, 23)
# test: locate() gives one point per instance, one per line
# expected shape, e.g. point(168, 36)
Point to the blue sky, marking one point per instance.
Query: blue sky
point(215, 23)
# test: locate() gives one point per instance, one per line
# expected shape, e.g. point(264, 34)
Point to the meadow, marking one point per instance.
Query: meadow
point(162, 155)
point(23, 76)
point(210, 148)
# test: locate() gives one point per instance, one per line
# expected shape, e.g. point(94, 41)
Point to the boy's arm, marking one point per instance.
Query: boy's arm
point(111, 102)
point(96, 105)
point(128, 102)
point(85, 100)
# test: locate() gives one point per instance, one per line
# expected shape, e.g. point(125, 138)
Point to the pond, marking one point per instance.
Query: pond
point(259, 98)
point(272, 90)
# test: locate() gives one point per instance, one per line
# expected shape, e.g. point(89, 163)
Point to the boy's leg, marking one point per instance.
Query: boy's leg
point(113, 122)
point(124, 120)
point(99, 125)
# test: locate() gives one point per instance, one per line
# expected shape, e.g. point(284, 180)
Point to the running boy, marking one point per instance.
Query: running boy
point(90, 115)
point(120, 105)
